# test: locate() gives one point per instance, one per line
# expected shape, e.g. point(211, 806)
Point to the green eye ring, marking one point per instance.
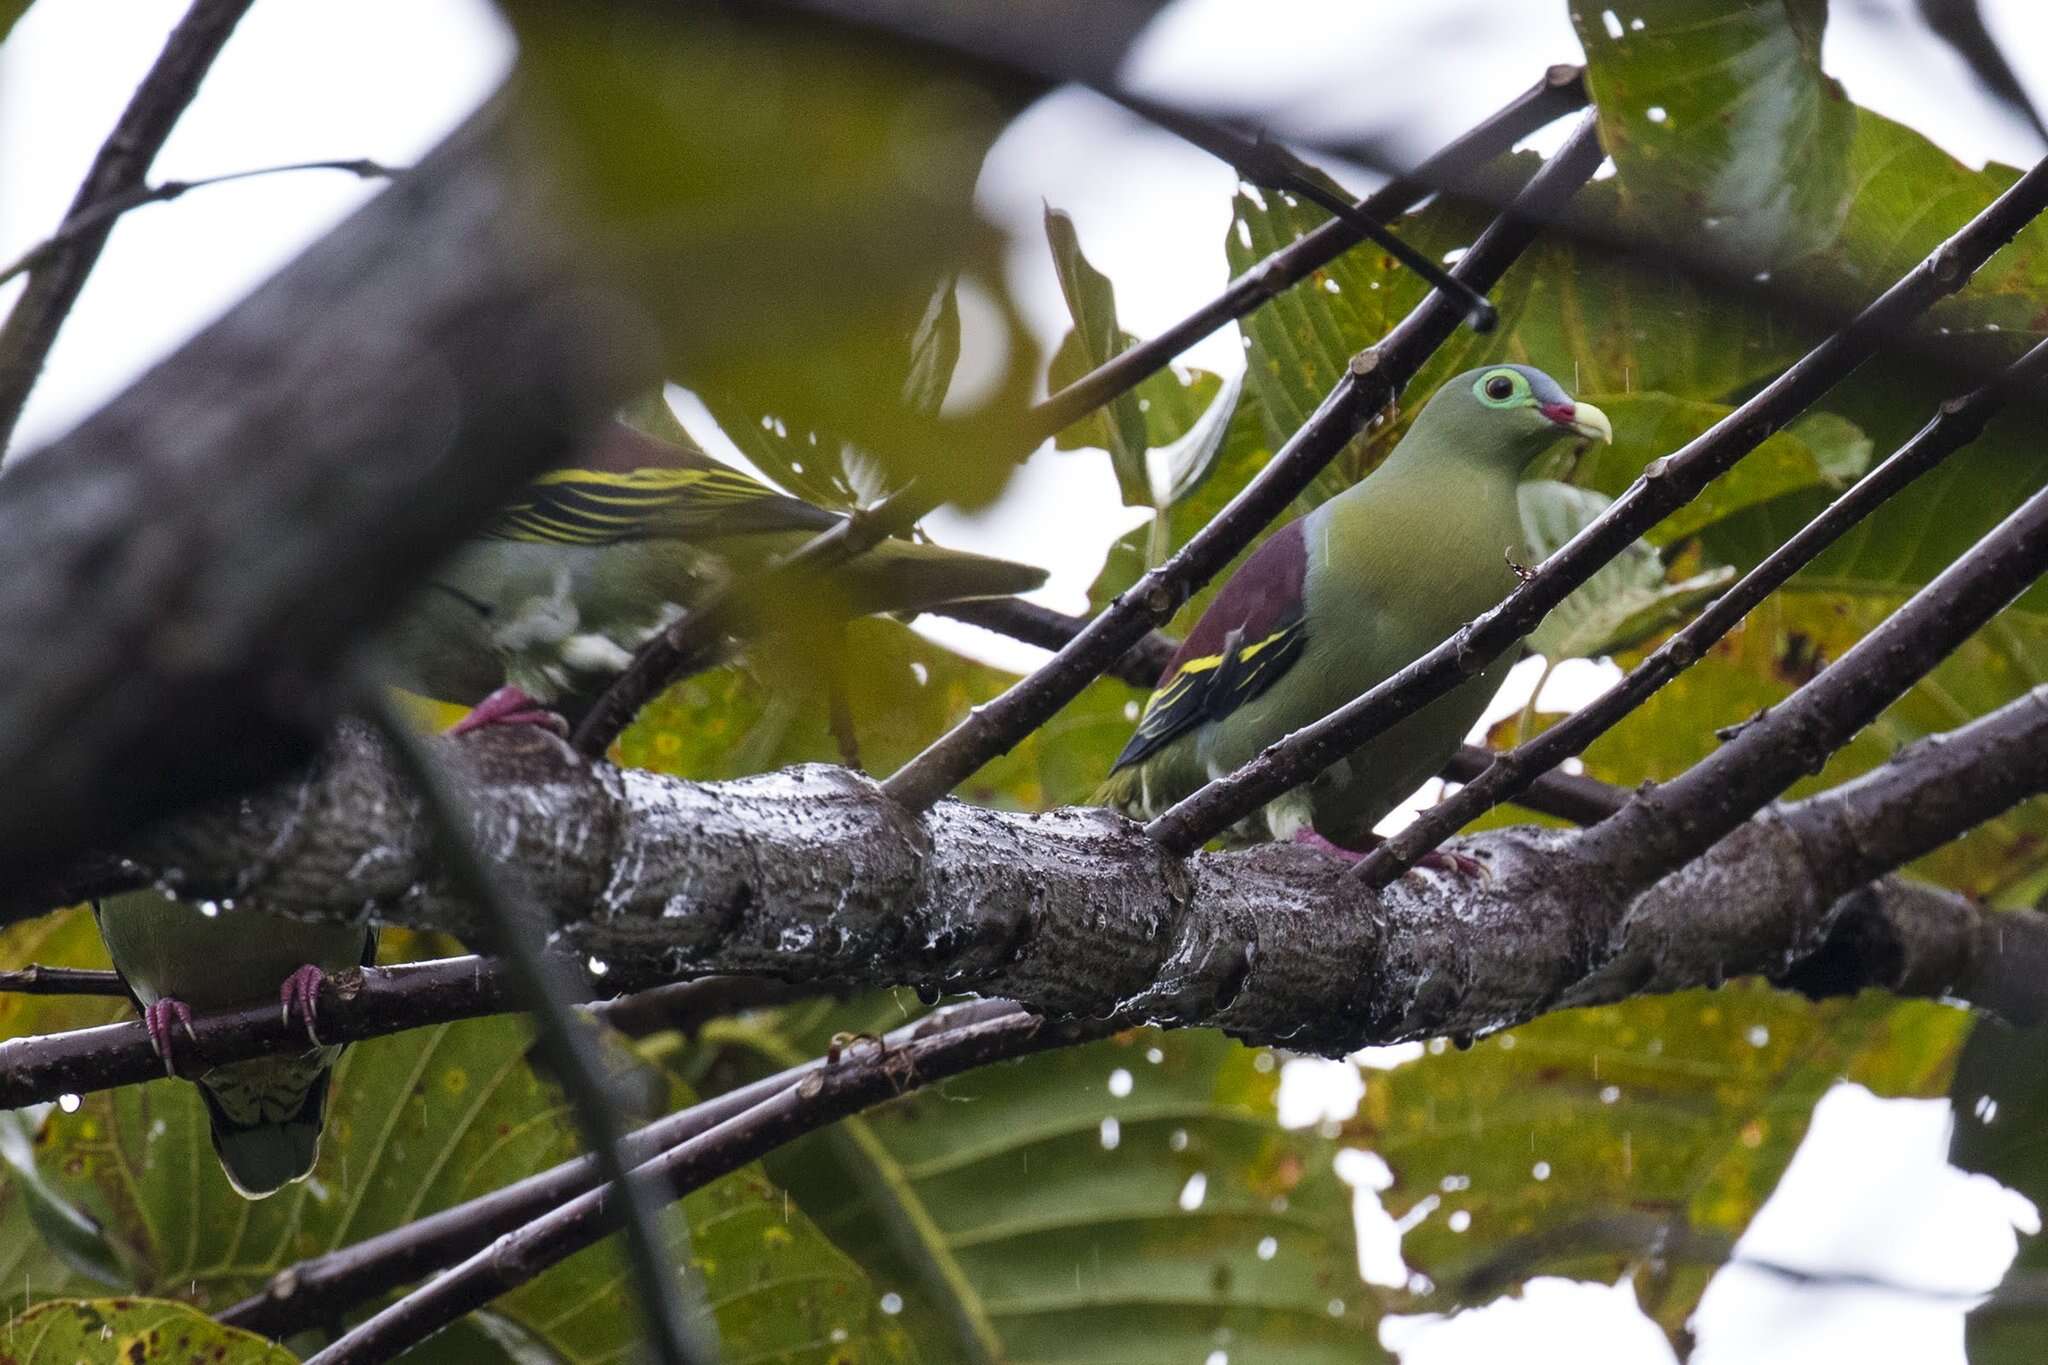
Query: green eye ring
point(1501, 388)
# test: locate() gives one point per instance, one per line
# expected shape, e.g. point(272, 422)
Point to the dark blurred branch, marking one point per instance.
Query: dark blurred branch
point(123, 160)
point(182, 575)
point(36, 979)
point(1960, 421)
point(1666, 485)
point(103, 213)
point(1960, 24)
point(519, 928)
point(1374, 379)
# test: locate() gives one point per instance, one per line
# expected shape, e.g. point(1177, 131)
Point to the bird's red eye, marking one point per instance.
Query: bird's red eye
point(1499, 387)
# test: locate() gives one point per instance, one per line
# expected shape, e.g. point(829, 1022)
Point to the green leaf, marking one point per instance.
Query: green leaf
point(1119, 425)
point(131, 1331)
point(1132, 1201)
point(823, 465)
point(781, 246)
point(1707, 107)
point(1627, 601)
point(1678, 1110)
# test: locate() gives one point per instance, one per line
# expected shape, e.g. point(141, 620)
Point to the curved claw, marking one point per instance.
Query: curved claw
point(1452, 863)
point(160, 1019)
point(510, 705)
point(301, 993)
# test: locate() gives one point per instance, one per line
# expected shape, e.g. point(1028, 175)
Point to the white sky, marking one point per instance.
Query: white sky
point(1869, 1191)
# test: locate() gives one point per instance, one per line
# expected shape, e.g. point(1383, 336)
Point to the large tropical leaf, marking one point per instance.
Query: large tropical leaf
point(131, 1331)
point(1125, 1203)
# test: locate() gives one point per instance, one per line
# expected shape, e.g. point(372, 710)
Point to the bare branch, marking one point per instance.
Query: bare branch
point(1666, 485)
point(857, 1080)
point(123, 160)
point(1960, 421)
point(1374, 379)
point(1662, 827)
point(105, 211)
point(324, 1287)
point(36, 979)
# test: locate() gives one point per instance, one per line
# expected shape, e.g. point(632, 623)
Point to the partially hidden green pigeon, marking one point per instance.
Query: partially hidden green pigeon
point(1342, 598)
point(548, 605)
point(177, 956)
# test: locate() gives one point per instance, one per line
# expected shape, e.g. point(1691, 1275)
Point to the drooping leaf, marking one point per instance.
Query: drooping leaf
point(1628, 600)
point(131, 1331)
point(1132, 1201)
point(1162, 410)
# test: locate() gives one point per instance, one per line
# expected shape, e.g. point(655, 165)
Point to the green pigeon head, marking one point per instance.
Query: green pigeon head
point(1509, 413)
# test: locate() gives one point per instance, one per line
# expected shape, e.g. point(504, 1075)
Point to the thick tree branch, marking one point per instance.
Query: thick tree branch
point(813, 874)
point(180, 576)
point(1666, 485)
point(1373, 380)
point(1960, 421)
point(123, 160)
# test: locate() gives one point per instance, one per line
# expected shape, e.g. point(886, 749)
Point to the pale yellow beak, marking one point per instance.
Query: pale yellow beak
point(1591, 423)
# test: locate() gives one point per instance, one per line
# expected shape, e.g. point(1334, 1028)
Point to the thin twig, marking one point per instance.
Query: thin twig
point(1270, 165)
point(856, 1080)
point(687, 644)
point(1665, 485)
point(1960, 421)
point(322, 1288)
point(673, 1339)
point(122, 162)
point(106, 210)
point(1373, 379)
point(36, 979)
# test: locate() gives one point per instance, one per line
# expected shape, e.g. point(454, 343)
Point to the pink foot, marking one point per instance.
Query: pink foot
point(1308, 838)
point(509, 706)
point(301, 993)
point(159, 1019)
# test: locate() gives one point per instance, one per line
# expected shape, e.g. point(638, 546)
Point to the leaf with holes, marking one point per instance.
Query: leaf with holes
point(131, 1331)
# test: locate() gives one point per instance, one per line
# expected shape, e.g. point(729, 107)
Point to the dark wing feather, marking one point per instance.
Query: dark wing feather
point(628, 486)
point(1248, 638)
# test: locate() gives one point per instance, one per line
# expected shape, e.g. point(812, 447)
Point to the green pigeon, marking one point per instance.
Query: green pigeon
point(1344, 597)
point(539, 613)
point(177, 956)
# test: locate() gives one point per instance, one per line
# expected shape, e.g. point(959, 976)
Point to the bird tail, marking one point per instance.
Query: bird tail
point(904, 575)
point(1122, 791)
point(266, 1119)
